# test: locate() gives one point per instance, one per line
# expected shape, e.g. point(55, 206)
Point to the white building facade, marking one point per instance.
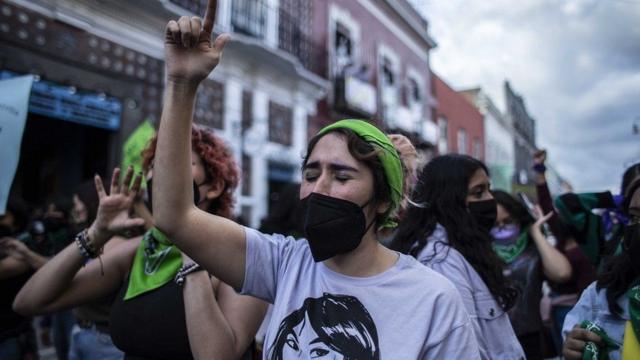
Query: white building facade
point(259, 98)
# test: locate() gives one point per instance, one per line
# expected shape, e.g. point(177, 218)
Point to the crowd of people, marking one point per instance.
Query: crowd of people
point(375, 258)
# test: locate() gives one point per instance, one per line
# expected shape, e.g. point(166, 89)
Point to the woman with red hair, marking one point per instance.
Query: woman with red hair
point(155, 312)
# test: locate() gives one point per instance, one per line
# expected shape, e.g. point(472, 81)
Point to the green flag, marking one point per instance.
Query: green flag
point(135, 143)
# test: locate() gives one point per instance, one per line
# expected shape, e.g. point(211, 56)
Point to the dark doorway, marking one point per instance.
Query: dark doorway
point(56, 156)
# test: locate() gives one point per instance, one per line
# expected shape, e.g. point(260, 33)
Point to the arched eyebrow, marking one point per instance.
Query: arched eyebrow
point(332, 166)
point(317, 340)
point(482, 186)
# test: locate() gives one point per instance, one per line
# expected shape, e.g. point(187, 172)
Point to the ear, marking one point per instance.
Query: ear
point(215, 190)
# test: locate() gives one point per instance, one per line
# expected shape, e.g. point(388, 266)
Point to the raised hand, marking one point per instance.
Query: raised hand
point(14, 248)
point(113, 210)
point(189, 53)
point(540, 157)
point(540, 217)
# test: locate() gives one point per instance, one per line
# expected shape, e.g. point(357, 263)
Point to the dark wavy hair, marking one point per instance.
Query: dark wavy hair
point(218, 164)
point(442, 190)
point(631, 173)
point(341, 322)
point(628, 182)
point(515, 208)
point(367, 154)
point(616, 277)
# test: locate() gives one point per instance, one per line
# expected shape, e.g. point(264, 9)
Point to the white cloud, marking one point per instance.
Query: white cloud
point(576, 63)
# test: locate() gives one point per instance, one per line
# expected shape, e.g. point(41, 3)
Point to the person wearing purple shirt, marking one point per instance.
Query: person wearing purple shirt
point(447, 229)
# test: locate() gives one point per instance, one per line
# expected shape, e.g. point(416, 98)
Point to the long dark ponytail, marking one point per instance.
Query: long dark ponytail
point(441, 194)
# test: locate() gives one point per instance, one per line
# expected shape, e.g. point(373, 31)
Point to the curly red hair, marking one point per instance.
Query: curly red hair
point(218, 164)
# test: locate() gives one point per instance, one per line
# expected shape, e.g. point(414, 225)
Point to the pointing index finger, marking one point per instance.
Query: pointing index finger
point(210, 16)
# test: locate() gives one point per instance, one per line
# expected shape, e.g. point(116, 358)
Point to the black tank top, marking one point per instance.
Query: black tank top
point(151, 325)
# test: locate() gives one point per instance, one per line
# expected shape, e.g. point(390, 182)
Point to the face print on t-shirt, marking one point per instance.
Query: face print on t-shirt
point(329, 327)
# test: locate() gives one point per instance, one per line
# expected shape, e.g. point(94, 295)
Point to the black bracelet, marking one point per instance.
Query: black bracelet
point(84, 247)
point(186, 270)
point(539, 168)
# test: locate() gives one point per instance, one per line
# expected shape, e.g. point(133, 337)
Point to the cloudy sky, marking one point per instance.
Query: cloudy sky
point(575, 62)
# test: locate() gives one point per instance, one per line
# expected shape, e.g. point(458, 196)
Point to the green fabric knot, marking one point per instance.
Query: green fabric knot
point(593, 351)
point(156, 262)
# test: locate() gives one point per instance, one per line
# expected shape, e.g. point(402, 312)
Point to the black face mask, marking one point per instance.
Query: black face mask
point(484, 213)
point(333, 226)
point(53, 223)
point(196, 193)
point(5, 230)
point(631, 244)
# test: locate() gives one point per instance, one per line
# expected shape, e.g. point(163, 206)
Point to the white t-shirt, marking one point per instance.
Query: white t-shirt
point(405, 312)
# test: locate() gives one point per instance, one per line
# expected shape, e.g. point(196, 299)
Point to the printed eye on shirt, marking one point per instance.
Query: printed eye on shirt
point(336, 326)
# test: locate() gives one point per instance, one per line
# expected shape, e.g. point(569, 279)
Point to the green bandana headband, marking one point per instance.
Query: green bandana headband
point(156, 262)
point(593, 351)
point(509, 253)
point(389, 156)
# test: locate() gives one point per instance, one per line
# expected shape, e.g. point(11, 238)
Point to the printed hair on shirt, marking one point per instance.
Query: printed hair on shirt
point(331, 326)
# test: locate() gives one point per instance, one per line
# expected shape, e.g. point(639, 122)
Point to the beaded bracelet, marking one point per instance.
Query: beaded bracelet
point(84, 247)
point(186, 270)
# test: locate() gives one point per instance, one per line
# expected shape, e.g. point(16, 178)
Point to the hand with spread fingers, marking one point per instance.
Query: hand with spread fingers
point(113, 210)
point(540, 217)
point(190, 54)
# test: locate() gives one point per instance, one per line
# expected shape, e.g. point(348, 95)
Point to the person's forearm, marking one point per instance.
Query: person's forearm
point(35, 260)
point(555, 265)
point(49, 281)
point(172, 170)
point(10, 267)
point(546, 204)
point(210, 336)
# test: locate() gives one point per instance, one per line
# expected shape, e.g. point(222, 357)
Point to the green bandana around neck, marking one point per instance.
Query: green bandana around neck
point(389, 157)
point(634, 307)
point(156, 262)
point(509, 253)
point(593, 351)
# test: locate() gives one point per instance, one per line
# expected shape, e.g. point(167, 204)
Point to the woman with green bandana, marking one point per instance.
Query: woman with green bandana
point(162, 307)
point(519, 241)
point(605, 323)
point(336, 293)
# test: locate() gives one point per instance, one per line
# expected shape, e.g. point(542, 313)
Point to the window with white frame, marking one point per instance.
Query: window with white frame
point(343, 40)
point(462, 141)
point(249, 17)
point(477, 148)
point(388, 89)
point(443, 133)
point(343, 48)
point(413, 94)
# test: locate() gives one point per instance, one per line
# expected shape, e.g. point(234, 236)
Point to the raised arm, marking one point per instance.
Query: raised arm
point(544, 195)
point(63, 282)
point(214, 242)
point(555, 265)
